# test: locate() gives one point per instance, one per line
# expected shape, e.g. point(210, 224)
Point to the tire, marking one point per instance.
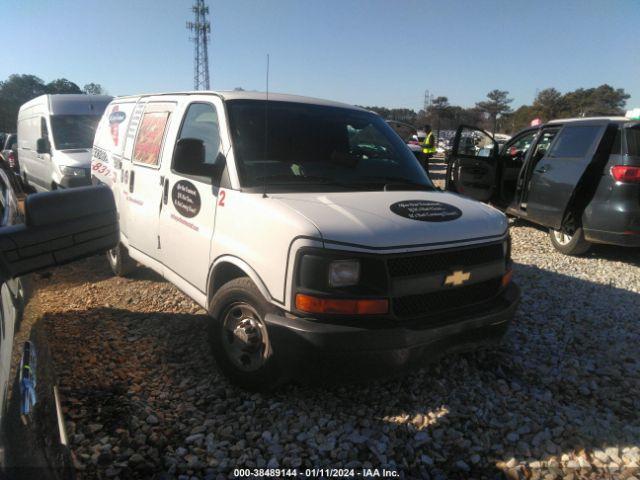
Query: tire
point(569, 244)
point(239, 338)
point(120, 262)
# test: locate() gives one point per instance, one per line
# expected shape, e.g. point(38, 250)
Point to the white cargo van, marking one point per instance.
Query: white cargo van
point(55, 136)
point(306, 228)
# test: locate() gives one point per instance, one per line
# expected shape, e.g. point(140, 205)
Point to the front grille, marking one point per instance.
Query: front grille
point(443, 260)
point(443, 300)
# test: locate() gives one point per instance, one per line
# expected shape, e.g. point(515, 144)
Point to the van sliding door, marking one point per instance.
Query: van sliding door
point(557, 173)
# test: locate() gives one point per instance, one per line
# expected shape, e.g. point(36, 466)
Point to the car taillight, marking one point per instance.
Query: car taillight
point(625, 173)
point(11, 159)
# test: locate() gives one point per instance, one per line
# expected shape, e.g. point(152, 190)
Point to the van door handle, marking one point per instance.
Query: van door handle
point(542, 169)
point(165, 191)
point(131, 180)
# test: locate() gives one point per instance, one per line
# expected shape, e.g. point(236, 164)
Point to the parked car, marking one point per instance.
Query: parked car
point(55, 135)
point(38, 232)
point(580, 178)
point(316, 240)
point(8, 151)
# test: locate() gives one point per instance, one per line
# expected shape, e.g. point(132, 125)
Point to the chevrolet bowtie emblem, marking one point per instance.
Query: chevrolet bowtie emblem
point(457, 278)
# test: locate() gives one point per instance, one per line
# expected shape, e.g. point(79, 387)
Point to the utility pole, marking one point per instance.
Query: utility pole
point(427, 100)
point(201, 28)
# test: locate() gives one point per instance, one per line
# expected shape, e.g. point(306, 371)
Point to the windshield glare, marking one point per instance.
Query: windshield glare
point(73, 131)
point(327, 147)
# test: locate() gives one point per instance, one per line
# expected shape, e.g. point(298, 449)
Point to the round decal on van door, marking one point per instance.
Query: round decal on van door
point(426, 210)
point(117, 116)
point(186, 199)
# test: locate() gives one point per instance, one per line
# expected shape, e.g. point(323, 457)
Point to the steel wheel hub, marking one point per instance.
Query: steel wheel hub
point(562, 237)
point(244, 337)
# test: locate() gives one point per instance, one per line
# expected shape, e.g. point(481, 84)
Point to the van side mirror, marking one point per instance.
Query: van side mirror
point(189, 157)
point(60, 226)
point(43, 145)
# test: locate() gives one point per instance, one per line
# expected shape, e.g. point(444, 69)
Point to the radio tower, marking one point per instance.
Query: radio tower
point(201, 29)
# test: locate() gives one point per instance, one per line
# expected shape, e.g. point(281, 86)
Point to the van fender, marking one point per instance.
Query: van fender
point(244, 267)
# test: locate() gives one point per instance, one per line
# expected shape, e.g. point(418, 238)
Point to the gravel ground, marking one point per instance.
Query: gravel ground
point(559, 400)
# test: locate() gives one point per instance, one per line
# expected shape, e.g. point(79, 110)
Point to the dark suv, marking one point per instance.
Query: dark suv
point(578, 177)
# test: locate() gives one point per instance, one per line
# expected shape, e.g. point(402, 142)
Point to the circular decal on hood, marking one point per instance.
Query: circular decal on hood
point(185, 198)
point(426, 210)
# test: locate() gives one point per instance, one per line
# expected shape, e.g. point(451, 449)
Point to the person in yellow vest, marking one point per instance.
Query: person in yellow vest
point(429, 145)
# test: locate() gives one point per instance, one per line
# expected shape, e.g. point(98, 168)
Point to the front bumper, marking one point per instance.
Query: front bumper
point(309, 348)
point(72, 181)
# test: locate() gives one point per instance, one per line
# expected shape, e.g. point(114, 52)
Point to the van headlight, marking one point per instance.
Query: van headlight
point(73, 171)
point(344, 273)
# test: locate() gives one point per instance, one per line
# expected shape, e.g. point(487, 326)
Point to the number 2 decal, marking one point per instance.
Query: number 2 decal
point(221, 199)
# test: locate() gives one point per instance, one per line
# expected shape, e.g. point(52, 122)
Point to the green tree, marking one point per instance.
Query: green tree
point(602, 100)
point(549, 104)
point(62, 85)
point(496, 105)
point(15, 91)
point(93, 89)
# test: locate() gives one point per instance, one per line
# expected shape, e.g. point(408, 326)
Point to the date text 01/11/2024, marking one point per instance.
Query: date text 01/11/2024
point(315, 473)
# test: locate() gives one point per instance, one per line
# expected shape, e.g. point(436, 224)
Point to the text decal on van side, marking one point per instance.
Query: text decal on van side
point(221, 199)
point(186, 199)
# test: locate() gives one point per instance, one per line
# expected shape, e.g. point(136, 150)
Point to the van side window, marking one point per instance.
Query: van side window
point(201, 122)
point(616, 148)
point(148, 144)
point(575, 141)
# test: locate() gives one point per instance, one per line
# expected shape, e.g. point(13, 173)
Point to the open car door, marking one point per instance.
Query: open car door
point(558, 168)
point(471, 169)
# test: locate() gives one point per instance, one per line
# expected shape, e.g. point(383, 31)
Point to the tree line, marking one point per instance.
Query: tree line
point(495, 114)
point(18, 89)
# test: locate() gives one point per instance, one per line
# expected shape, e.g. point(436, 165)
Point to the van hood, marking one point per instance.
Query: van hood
point(78, 157)
point(397, 220)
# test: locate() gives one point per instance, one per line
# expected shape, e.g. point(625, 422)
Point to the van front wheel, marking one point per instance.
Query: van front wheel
point(569, 242)
point(239, 337)
point(120, 262)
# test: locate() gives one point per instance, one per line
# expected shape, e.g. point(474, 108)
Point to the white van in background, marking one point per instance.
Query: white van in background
point(55, 135)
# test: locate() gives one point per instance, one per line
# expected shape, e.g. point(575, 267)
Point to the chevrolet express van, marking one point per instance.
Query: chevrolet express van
point(578, 177)
point(306, 228)
point(55, 136)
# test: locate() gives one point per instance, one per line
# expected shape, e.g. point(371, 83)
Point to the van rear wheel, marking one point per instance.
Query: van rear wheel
point(569, 242)
point(239, 337)
point(120, 262)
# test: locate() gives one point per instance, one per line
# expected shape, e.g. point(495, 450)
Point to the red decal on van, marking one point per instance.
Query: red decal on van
point(114, 126)
point(221, 200)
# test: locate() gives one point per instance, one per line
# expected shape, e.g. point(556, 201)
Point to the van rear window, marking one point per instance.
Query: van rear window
point(633, 141)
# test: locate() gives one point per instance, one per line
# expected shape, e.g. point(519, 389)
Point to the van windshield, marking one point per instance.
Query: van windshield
point(313, 147)
point(73, 131)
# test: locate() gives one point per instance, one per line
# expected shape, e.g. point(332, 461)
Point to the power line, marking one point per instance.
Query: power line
point(201, 28)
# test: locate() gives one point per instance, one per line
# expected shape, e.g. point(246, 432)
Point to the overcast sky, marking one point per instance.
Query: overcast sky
point(368, 52)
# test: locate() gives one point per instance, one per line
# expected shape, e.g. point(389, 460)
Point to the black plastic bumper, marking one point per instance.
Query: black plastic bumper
point(313, 348)
point(71, 181)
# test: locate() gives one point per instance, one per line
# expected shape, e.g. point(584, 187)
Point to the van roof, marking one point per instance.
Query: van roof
point(71, 104)
point(244, 95)
point(589, 119)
